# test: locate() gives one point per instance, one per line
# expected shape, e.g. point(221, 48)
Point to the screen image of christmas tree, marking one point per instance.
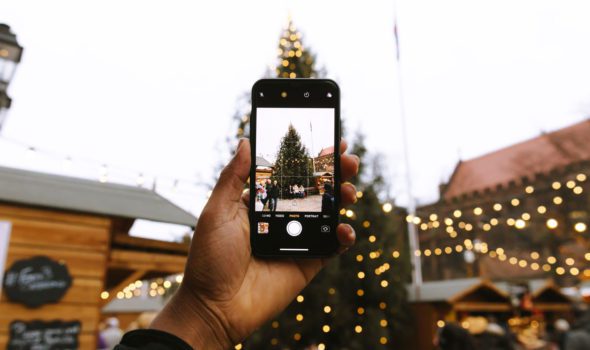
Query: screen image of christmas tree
point(292, 165)
point(358, 300)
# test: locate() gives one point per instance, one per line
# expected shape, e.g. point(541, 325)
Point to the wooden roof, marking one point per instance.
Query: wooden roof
point(326, 151)
point(541, 154)
point(85, 196)
point(261, 161)
point(550, 298)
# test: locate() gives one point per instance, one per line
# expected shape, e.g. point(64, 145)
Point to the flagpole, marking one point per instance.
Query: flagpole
point(413, 241)
point(312, 153)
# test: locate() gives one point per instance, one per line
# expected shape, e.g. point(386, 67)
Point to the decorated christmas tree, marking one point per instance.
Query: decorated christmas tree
point(292, 165)
point(294, 61)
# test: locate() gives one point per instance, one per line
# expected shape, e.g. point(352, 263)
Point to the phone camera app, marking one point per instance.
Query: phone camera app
point(325, 228)
point(306, 94)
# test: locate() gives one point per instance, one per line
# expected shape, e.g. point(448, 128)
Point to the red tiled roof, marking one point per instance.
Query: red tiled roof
point(538, 155)
point(326, 151)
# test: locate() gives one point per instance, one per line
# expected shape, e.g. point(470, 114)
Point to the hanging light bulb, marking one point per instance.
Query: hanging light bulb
point(387, 207)
point(104, 173)
point(140, 180)
point(552, 223)
point(580, 227)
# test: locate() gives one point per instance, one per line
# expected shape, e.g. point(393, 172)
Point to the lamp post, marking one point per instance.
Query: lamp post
point(10, 56)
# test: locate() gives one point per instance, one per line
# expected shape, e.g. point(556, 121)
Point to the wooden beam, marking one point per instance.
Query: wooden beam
point(28, 212)
point(553, 306)
point(134, 276)
point(481, 306)
point(134, 260)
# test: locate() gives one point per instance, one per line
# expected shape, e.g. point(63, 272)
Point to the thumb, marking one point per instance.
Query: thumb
point(231, 181)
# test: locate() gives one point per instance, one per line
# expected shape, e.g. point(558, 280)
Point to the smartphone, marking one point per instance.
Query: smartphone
point(295, 172)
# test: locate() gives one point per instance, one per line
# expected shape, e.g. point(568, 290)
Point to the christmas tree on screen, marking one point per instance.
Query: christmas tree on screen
point(358, 300)
point(292, 165)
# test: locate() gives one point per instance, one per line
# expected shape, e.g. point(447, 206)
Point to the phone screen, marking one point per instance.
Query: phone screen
point(294, 192)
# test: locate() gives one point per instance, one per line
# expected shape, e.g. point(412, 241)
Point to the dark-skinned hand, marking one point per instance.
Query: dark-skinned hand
point(226, 292)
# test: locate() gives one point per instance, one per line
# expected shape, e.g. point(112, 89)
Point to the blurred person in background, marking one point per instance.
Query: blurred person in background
point(453, 337)
point(578, 338)
point(491, 336)
point(557, 332)
point(112, 334)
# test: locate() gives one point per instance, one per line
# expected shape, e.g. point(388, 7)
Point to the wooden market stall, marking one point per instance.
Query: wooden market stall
point(446, 300)
point(264, 169)
point(549, 299)
point(70, 237)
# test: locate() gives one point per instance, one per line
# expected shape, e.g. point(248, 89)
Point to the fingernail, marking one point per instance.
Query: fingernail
point(353, 234)
point(240, 143)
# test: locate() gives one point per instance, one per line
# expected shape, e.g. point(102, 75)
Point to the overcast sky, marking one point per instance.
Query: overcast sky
point(151, 86)
point(273, 123)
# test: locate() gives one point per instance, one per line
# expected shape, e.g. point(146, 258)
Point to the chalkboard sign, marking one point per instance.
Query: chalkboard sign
point(37, 281)
point(39, 335)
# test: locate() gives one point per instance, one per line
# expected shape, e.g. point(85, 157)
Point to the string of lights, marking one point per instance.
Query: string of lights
point(153, 288)
point(575, 185)
point(572, 266)
point(108, 172)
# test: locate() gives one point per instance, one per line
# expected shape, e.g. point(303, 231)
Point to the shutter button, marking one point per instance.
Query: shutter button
point(294, 228)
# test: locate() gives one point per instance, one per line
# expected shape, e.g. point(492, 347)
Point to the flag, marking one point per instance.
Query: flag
point(396, 40)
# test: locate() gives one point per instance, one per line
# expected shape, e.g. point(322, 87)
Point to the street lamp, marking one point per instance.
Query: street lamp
point(10, 55)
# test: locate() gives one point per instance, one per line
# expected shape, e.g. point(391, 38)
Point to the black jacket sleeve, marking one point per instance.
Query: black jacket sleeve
point(151, 339)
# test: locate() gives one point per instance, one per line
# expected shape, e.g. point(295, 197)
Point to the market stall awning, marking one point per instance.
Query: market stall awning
point(550, 298)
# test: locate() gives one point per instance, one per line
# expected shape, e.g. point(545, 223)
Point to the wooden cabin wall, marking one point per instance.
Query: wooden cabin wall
point(81, 242)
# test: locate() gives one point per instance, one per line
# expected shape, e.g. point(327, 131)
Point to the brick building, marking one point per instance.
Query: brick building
point(518, 212)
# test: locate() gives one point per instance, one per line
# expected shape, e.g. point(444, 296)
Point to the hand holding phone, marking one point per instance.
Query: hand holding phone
point(226, 292)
